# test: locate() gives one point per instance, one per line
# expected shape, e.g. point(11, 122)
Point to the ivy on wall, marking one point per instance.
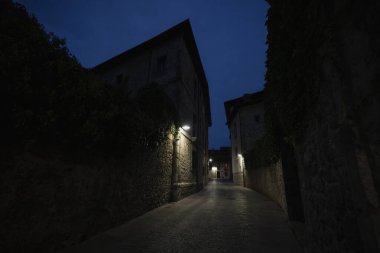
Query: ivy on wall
point(50, 100)
point(265, 152)
point(160, 112)
point(291, 66)
point(291, 89)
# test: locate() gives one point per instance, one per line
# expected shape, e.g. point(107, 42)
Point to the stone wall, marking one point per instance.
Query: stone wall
point(238, 178)
point(47, 203)
point(269, 181)
point(182, 84)
point(194, 101)
point(246, 126)
point(187, 178)
point(142, 68)
point(251, 125)
point(323, 77)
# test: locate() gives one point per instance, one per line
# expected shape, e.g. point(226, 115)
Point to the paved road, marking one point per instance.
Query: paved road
point(221, 218)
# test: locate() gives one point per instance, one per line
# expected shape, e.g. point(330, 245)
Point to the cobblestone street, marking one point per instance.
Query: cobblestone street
point(221, 218)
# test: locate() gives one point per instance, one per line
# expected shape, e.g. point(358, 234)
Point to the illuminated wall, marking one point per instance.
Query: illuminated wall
point(246, 124)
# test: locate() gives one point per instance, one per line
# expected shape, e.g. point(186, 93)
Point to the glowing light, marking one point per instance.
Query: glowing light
point(186, 127)
point(214, 169)
point(241, 162)
point(210, 160)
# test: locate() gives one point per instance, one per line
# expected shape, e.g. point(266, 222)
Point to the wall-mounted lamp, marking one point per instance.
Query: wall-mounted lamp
point(186, 127)
point(210, 160)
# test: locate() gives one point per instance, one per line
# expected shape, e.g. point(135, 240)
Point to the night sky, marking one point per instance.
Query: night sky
point(230, 36)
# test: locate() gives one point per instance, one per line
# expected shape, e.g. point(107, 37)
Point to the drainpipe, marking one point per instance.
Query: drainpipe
point(175, 191)
point(241, 150)
point(243, 167)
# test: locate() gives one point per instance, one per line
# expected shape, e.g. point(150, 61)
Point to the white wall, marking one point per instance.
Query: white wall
point(249, 124)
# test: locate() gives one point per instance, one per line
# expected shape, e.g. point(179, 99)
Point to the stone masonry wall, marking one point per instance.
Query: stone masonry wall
point(192, 110)
point(251, 125)
point(235, 150)
point(333, 71)
point(181, 82)
point(269, 181)
point(48, 203)
point(187, 174)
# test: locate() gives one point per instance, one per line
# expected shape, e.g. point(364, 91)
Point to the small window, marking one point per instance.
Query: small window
point(119, 78)
point(122, 82)
point(161, 64)
point(257, 118)
point(125, 83)
point(195, 88)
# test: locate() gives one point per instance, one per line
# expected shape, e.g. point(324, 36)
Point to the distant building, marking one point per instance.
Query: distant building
point(171, 59)
point(220, 163)
point(245, 120)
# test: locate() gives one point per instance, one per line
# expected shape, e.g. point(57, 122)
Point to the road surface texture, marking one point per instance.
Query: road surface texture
point(221, 218)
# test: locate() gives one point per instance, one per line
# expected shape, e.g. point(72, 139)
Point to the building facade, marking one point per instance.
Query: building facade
point(220, 164)
point(245, 120)
point(171, 60)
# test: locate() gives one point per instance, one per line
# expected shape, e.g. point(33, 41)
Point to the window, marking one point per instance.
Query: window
point(125, 83)
point(119, 78)
point(257, 118)
point(178, 67)
point(122, 82)
point(195, 88)
point(161, 64)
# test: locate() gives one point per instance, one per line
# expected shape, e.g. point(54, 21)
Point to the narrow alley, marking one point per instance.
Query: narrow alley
point(221, 218)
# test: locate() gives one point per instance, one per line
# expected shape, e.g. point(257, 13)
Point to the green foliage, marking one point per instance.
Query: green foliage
point(153, 101)
point(292, 77)
point(290, 92)
point(291, 69)
point(49, 100)
point(265, 152)
point(156, 105)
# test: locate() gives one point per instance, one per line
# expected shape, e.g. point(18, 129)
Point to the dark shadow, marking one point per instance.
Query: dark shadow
point(292, 184)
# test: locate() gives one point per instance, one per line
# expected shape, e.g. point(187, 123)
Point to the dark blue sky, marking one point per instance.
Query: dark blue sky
point(230, 36)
